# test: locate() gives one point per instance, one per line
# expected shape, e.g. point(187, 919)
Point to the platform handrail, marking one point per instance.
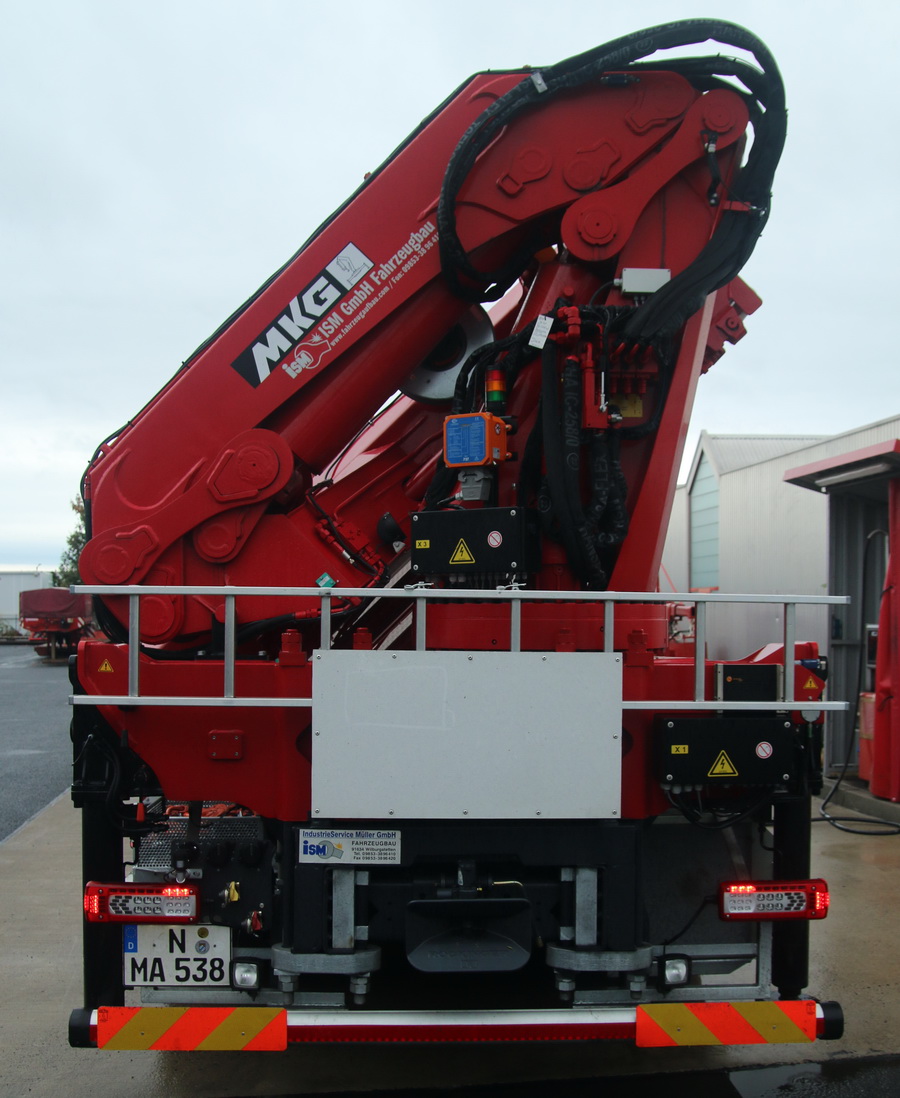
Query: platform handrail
point(420, 594)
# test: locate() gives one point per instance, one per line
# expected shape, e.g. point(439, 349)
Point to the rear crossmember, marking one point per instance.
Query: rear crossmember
point(258, 1029)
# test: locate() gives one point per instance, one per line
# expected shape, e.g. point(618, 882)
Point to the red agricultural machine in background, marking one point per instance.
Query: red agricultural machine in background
point(55, 620)
point(391, 718)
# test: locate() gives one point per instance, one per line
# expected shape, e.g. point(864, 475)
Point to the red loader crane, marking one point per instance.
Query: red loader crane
point(388, 715)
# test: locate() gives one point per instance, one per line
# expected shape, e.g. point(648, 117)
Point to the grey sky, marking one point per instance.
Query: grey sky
point(160, 161)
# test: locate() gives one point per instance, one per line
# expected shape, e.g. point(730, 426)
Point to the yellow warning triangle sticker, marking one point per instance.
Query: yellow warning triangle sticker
point(462, 554)
point(810, 684)
point(105, 666)
point(723, 767)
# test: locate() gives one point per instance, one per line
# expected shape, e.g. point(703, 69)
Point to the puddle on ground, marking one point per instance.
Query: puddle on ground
point(767, 1082)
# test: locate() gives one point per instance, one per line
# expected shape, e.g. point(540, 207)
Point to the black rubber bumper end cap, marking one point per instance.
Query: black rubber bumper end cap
point(833, 1021)
point(80, 1029)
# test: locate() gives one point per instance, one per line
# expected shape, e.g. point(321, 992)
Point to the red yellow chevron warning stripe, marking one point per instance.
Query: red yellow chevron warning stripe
point(182, 1029)
point(751, 1023)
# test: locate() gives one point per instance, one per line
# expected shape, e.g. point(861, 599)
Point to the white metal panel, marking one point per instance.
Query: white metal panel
point(457, 735)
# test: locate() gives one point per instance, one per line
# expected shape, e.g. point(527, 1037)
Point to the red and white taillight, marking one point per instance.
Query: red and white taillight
point(141, 903)
point(773, 899)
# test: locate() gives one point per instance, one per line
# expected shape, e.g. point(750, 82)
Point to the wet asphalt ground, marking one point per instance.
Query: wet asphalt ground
point(35, 751)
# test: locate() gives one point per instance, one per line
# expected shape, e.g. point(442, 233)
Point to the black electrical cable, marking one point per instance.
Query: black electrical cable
point(109, 438)
point(342, 453)
point(469, 382)
point(872, 822)
point(723, 820)
point(118, 633)
point(351, 552)
point(110, 625)
point(597, 293)
point(530, 472)
point(706, 902)
point(107, 622)
point(124, 823)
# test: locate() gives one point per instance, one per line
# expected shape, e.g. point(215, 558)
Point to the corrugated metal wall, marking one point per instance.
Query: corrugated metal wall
point(704, 527)
point(674, 571)
point(772, 540)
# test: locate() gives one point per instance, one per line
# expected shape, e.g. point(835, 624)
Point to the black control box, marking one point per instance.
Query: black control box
point(742, 751)
point(487, 540)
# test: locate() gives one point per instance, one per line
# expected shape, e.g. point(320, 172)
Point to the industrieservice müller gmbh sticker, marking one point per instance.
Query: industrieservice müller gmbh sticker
point(350, 847)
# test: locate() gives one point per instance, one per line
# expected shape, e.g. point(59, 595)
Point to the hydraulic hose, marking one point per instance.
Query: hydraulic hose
point(721, 259)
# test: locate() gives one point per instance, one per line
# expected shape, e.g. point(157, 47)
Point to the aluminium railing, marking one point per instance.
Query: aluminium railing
point(420, 594)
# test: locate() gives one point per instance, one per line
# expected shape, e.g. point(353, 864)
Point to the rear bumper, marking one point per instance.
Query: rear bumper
point(272, 1029)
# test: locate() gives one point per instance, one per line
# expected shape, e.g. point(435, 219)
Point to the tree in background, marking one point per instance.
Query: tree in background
point(68, 564)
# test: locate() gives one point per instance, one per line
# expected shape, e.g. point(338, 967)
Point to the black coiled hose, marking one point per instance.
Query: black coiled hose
point(665, 311)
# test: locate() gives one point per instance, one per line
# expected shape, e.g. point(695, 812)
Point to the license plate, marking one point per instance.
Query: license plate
point(176, 956)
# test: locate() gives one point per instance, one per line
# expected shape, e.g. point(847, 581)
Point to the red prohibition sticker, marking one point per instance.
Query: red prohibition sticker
point(764, 750)
point(495, 539)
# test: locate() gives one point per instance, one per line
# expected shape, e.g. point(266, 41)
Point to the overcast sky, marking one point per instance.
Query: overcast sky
point(161, 160)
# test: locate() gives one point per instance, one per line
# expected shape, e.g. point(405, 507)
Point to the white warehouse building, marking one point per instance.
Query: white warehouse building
point(745, 522)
